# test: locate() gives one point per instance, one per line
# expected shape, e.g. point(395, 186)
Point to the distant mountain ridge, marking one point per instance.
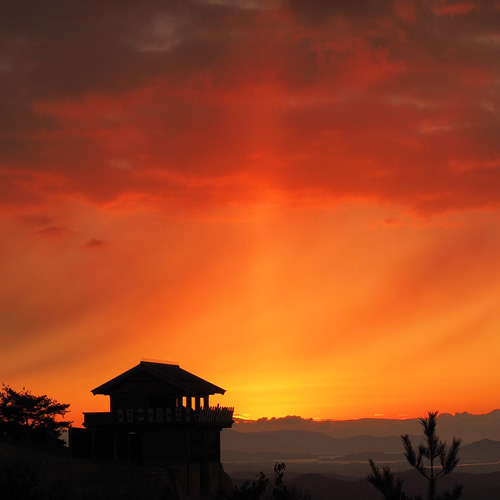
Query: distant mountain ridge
point(465, 425)
point(314, 445)
point(296, 441)
point(344, 448)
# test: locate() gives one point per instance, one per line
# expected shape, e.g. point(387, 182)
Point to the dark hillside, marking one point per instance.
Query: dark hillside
point(26, 472)
point(476, 486)
point(296, 441)
point(326, 488)
point(484, 450)
point(313, 452)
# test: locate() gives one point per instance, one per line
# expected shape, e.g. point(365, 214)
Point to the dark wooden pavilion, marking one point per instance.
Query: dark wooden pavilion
point(159, 415)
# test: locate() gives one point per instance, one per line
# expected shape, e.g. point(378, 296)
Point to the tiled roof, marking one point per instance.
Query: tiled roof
point(171, 374)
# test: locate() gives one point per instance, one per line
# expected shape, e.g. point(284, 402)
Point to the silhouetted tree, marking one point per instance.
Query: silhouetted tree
point(252, 490)
point(260, 489)
point(34, 418)
point(280, 491)
point(385, 483)
point(440, 461)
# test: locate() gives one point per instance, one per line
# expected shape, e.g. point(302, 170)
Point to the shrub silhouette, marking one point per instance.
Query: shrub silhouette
point(260, 488)
point(439, 462)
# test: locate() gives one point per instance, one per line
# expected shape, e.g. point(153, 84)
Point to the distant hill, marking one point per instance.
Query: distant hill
point(465, 425)
point(315, 452)
point(476, 486)
point(327, 488)
point(296, 441)
point(485, 450)
point(330, 487)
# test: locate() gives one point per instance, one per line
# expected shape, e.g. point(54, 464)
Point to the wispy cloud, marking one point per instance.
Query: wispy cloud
point(95, 243)
point(37, 220)
point(53, 231)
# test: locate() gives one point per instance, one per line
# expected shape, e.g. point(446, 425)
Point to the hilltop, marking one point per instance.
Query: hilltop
point(343, 448)
point(468, 426)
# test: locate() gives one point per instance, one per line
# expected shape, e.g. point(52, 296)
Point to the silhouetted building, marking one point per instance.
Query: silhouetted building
point(159, 416)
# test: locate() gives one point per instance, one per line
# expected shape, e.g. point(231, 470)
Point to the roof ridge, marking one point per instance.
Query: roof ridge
point(160, 361)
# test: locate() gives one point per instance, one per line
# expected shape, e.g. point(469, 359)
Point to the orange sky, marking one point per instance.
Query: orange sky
point(298, 201)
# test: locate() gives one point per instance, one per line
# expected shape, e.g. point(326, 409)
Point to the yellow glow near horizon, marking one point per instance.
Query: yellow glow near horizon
point(304, 216)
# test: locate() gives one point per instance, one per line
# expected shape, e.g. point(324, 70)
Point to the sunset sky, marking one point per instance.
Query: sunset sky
point(298, 201)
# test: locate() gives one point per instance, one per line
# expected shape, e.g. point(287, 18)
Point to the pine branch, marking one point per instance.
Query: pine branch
point(385, 483)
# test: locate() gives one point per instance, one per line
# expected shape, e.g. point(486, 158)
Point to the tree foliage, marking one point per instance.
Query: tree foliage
point(432, 459)
point(384, 482)
point(252, 490)
point(24, 416)
point(262, 489)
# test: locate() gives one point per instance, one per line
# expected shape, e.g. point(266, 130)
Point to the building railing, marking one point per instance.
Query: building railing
point(98, 418)
point(217, 415)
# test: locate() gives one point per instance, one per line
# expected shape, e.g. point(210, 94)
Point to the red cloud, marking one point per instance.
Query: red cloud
point(454, 9)
point(215, 103)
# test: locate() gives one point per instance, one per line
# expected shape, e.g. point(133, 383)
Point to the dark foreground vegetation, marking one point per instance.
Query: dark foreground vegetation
point(433, 460)
point(262, 488)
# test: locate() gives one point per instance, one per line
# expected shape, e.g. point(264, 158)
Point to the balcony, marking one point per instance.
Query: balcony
point(215, 415)
point(98, 418)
